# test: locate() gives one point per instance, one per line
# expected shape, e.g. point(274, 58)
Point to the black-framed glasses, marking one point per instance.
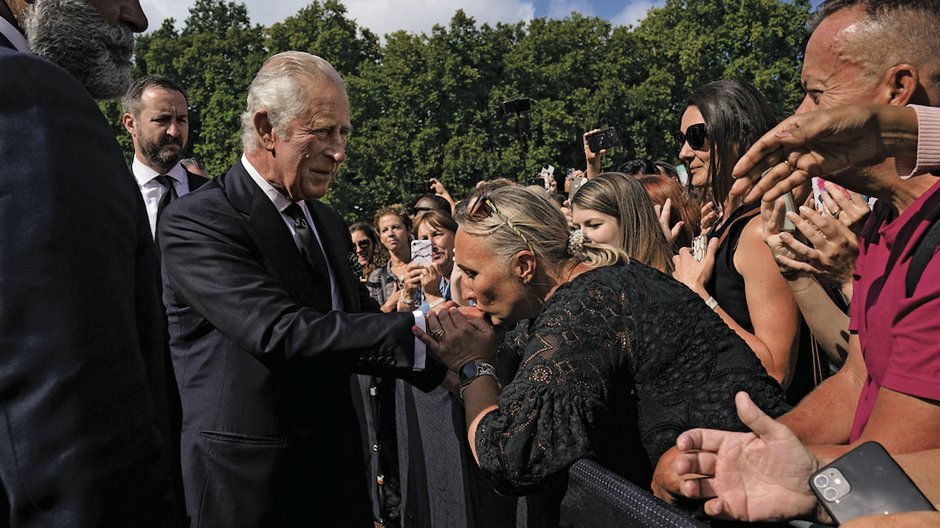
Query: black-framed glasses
point(484, 207)
point(695, 135)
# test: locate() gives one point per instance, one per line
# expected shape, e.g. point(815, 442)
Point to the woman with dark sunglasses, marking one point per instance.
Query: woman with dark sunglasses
point(738, 278)
point(611, 359)
point(369, 254)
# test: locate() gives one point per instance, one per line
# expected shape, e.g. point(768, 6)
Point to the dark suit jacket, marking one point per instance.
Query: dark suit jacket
point(83, 415)
point(270, 436)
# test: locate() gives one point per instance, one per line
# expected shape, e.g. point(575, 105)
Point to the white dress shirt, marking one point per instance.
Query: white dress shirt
point(152, 190)
point(281, 203)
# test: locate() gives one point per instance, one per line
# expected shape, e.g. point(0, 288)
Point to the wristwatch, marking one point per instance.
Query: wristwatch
point(472, 370)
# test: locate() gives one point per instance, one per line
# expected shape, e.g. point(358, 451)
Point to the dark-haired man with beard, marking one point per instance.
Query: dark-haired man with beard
point(157, 118)
point(83, 421)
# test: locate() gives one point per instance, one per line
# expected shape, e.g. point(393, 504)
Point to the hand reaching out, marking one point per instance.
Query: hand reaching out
point(664, 214)
point(758, 476)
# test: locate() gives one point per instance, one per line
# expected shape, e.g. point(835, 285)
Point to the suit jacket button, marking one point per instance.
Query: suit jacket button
point(391, 361)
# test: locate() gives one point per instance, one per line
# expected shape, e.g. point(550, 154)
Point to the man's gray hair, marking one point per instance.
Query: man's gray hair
point(281, 89)
point(902, 31)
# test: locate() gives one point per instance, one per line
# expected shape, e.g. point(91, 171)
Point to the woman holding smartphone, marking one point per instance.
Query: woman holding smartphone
point(439, 229)
point(396, 285)
point(738, 278)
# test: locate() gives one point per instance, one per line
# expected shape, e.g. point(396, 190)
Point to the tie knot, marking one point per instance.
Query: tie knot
point(166, 180)
point(297, 214)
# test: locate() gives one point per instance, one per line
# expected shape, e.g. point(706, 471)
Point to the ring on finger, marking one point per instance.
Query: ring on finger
point(836, 213)
point(789, 165)
point(438, 334)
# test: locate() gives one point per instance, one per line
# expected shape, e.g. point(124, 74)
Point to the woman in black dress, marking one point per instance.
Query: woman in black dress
point(613, 358)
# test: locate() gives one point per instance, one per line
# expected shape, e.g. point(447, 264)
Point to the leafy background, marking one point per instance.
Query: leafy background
point(428, 105)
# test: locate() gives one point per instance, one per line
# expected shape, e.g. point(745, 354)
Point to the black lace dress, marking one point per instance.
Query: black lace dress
point(620, 361)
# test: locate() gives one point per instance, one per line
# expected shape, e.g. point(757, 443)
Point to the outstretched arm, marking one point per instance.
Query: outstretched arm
point(823, 143)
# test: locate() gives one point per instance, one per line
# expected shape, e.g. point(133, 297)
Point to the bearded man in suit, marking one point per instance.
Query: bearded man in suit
point(156, 115)
point(265, 318)
point(83, 420)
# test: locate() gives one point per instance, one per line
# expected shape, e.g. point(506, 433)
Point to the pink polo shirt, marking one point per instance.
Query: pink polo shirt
point(899, 335)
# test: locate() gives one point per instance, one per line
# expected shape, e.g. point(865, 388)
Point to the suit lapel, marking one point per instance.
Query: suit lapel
point(336, 246)
point(273, 238)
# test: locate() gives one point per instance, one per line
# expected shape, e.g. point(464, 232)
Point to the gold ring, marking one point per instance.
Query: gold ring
point(791, 167)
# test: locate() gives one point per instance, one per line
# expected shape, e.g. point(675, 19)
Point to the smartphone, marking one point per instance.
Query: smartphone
point(866, 481)
point(699, 247)
point(603, 139)
point(419, 186)
point(421, 252)
point(573, 187)
point(537, 181)
point(789, 205)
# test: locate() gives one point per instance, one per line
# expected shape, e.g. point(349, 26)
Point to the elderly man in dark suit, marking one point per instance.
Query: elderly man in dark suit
point(83, 439)
point(264, 324)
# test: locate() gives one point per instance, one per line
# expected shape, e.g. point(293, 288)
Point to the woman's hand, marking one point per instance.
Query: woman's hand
point(457, 335)
point(431, 281)
point(593, 158)
point(693, 273)
point(709, 217)
point(664, 213)
point(771, 213)
point(846, 206)
point(833, 251)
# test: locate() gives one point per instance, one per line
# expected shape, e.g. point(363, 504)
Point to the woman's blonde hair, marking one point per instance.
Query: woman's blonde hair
point(622, 197)
point(524, 220)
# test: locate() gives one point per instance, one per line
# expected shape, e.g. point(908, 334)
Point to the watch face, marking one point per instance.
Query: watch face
point(467, 371)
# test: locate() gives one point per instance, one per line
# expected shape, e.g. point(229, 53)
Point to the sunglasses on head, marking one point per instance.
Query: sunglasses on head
point(483, 207)
point(695, 135)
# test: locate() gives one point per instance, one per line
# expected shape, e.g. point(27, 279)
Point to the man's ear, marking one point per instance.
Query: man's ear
point(900, 85)
point(264, 129)
point(129, 124)
point(525, 266)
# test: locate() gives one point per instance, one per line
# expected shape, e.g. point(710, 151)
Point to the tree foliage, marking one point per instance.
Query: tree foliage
point(430, 105)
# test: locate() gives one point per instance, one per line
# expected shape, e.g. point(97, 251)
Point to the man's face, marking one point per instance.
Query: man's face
point(833, 76)
point(91, 39)
point(161, 130)
point(306, 160)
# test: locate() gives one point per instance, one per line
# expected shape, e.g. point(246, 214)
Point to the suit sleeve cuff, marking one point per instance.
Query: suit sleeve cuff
point(421, 353)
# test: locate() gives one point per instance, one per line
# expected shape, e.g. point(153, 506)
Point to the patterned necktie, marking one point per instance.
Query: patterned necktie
point(311, 249)
point(169, 194)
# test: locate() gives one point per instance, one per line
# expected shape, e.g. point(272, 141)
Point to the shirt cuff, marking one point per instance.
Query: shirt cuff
point(421, 352)
point(928, 143)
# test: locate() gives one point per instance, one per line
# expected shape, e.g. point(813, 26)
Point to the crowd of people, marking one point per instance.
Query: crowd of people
point(226, 351)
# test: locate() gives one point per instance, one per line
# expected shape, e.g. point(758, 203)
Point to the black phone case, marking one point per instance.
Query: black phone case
point(878, 485)
point(602, 140)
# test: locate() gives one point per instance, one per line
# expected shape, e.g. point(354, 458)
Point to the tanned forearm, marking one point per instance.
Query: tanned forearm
point(825, 416)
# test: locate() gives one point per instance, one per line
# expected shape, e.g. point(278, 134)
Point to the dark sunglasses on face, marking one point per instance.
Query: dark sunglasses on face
point(364, 244)
point(695, 135)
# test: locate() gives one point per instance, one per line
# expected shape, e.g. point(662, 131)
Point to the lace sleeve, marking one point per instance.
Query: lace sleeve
point(547, 414)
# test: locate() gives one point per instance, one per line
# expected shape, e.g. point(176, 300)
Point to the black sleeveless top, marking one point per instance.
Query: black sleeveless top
point(727, 286)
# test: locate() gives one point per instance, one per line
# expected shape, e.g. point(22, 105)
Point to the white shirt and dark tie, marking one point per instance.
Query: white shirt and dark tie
point(153, 190)
point(282, 203)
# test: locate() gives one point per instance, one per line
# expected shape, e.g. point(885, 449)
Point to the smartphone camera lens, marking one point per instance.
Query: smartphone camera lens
point(821, 481)
point(830, 494)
